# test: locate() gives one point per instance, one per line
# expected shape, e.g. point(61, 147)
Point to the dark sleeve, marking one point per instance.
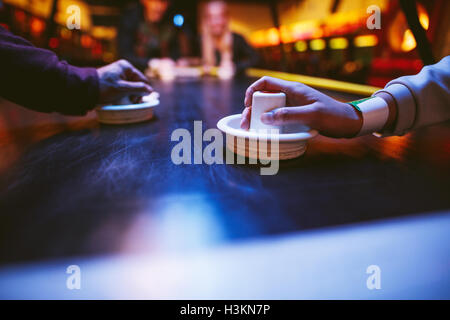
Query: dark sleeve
point(129, 22)
point(35, 78)
point(244, 55)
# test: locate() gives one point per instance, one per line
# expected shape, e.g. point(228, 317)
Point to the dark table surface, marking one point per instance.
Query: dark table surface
point(72, 187)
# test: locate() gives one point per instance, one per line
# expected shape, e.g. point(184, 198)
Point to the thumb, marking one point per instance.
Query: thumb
point(134, 88)
point(306, 115)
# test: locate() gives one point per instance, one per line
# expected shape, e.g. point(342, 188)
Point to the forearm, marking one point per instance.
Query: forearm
point(418, 100)
point(37, 79)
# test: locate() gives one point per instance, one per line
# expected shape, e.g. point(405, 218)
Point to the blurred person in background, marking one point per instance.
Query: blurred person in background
point(147, 37)
point(221, 47)
point(37, 79)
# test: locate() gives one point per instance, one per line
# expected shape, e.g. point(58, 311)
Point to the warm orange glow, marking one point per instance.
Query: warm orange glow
point(268, 37)
point(273, 37)
point(100, 32)
point(86, 41)
point(258, 38)
point(424, 21)
point(409, 42)
point(342, 23)
point(394, 147)
point(37, 26)
point(286, 34)
point(66, 33)
point(306, 30)
point(336, 24)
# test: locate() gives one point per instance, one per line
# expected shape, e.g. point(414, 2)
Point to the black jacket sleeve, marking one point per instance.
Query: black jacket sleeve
point(37, 79)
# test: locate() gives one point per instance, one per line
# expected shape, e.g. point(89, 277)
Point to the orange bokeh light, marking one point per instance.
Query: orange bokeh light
point(37, 26)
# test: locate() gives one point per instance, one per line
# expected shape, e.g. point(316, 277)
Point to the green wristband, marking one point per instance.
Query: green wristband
point(374, 112)
point(356, 102)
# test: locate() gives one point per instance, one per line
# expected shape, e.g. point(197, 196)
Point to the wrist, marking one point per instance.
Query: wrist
point(392, 105)
point(374, 112)
point(355, 120)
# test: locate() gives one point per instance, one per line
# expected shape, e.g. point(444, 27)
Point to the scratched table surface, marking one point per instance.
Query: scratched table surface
point(72, 187)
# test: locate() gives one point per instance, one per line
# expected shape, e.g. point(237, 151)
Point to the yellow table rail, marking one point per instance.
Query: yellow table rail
point(323, 83)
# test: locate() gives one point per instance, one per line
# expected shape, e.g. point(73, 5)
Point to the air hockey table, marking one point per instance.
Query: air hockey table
point(109, 199)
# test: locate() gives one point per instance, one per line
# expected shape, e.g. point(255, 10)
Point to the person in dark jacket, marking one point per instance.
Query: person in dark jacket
point(37, 79)
point(146, 32)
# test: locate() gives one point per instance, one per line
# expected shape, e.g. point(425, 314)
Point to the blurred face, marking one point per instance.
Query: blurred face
point(217, 18)
point(155, 9)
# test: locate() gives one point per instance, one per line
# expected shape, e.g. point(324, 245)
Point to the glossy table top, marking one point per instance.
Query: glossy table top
point(72, 187)
point(412, 255)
